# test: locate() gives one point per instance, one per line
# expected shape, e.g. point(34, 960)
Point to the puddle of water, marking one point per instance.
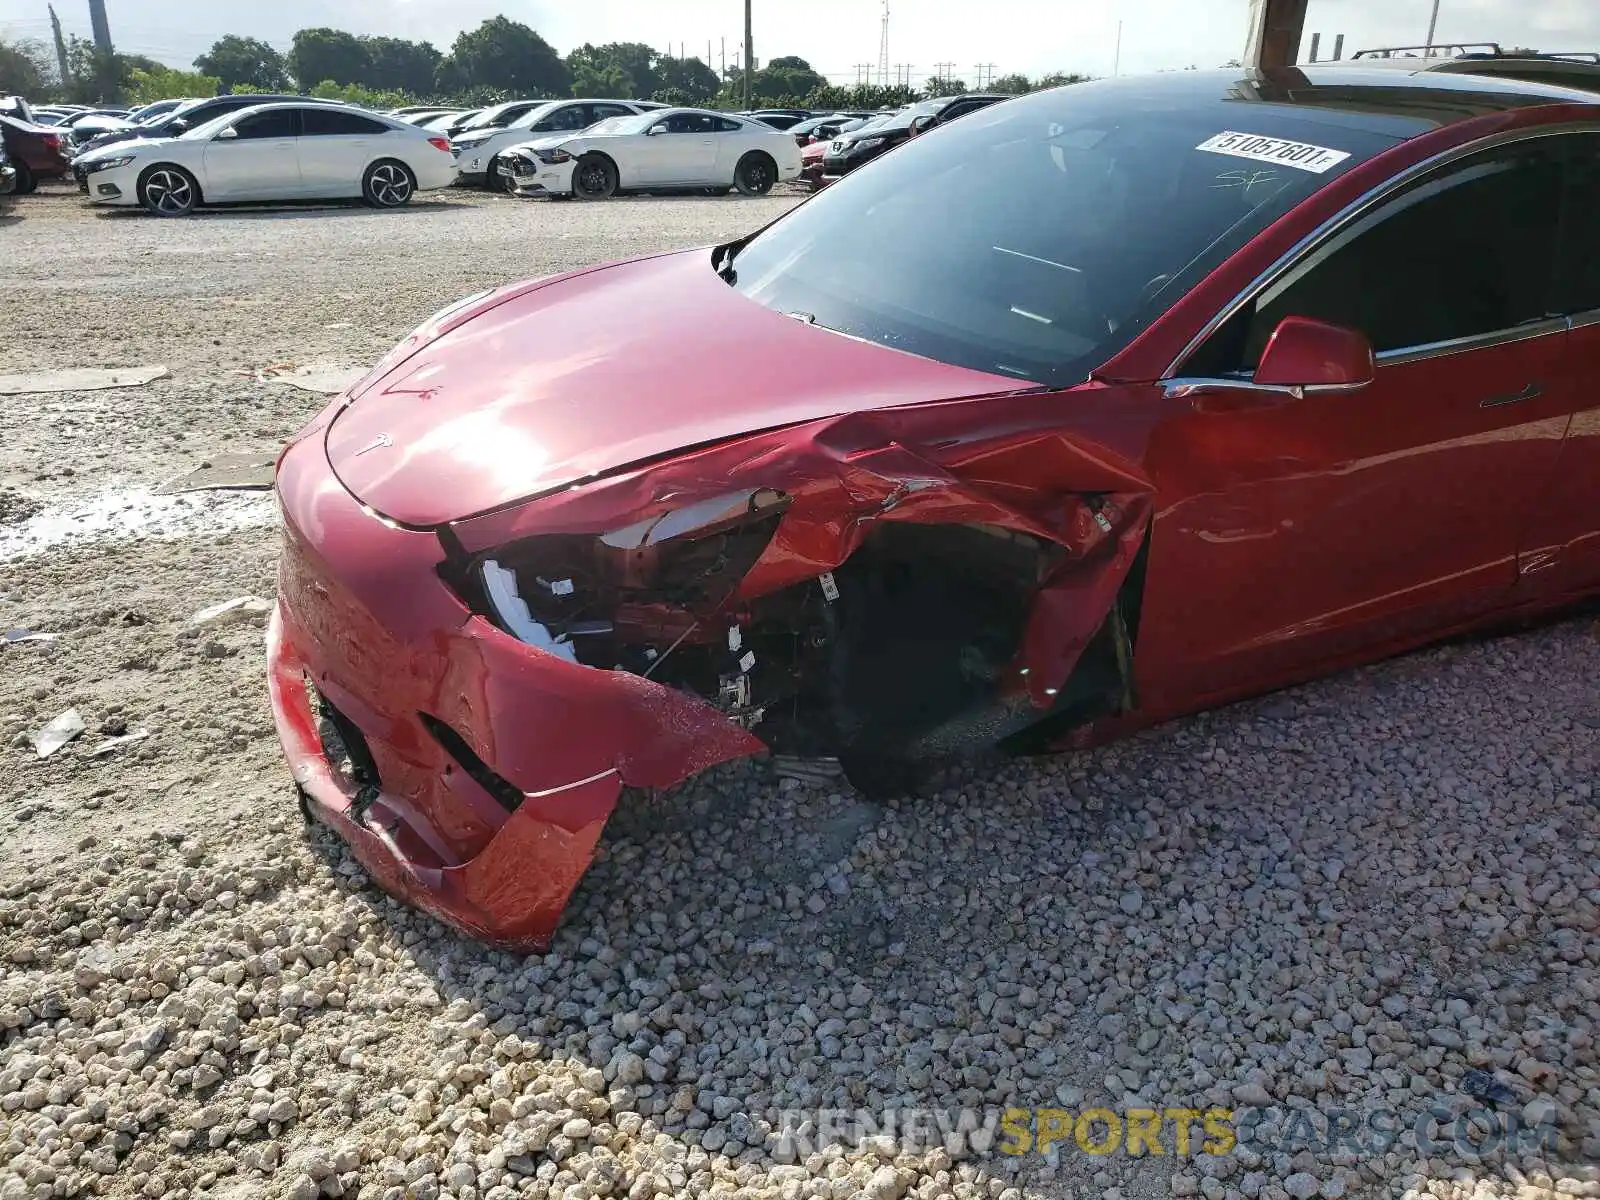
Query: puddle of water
point(128, 514)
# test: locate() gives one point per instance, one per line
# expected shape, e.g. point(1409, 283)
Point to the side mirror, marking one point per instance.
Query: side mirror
point(1314, 356)
point(655, 129)
point(180, 125)
point(922, 125)
point(227, 134)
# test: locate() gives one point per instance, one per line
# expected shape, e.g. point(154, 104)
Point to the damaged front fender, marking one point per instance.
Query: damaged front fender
point(838, 591)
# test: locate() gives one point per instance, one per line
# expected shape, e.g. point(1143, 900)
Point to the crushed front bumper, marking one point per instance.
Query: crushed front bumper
point(491, 768)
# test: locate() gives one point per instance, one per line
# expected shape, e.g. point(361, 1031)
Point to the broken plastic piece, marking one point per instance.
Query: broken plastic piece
point(561, 587)
point(1481, 1085)
point(501, 585)
point(1103, 521)
point(117, 743)
point(807, 770)
point(830, 587)
point(240, 608)
point(58, 733)
point(735, 638)
point(748, 662)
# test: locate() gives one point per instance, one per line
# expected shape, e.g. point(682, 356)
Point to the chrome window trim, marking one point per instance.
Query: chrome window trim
point(1354, 211)
point(1584, 320)
point(1478, 341)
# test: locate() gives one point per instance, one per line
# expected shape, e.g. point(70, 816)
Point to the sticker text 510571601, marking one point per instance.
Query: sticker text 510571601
point(1302, 155)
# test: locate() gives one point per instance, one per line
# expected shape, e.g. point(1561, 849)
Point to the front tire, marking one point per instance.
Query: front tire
point(595, 178)
point(168, 191)
point(388, 184)
point(26, 180)
point(755, 174)
point(497, 182)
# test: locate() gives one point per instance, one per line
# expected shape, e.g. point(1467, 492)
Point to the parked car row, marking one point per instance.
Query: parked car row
point(176, 155)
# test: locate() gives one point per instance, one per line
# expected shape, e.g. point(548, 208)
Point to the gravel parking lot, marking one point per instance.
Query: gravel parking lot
point(1374, 896)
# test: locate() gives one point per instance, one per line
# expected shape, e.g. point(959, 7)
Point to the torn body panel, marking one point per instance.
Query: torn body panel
point(820, 591)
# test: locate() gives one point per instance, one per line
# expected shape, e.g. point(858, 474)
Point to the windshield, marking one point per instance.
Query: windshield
point(610, 125)
point(532, 115)
point(1035, 238)
point(210, 129)
point(489, 118)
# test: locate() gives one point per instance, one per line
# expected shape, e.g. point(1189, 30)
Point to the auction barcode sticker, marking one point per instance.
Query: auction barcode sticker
point(1302, 155)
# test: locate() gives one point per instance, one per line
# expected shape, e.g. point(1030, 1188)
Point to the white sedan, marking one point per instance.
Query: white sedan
point(477, 151)
point(272, 152)
point(665, 149)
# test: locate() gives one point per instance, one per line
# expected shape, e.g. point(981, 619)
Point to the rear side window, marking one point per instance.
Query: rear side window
point(278, 123)
point(1577, 288)
point(334, 121)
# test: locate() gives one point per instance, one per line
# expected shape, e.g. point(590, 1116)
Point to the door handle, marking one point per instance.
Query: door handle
point(1532, 392)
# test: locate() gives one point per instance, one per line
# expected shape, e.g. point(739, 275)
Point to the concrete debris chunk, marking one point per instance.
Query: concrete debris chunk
point(78, 379)
point(111, 745)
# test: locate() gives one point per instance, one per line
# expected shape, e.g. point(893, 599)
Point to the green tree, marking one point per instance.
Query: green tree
point(688, 78)
point(239, 60)
point(862, 96)
point(1058, 79)
point(636, 62)
point(332, 54)
point(505, 54)
point(591, 79)
point(783, 78)
point(398, 65)
point(940, 86)
point(1012, 85)
point(164, 83)
point(25, 69)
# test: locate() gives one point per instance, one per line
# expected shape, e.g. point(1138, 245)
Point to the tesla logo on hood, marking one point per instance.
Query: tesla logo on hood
point(383, 439)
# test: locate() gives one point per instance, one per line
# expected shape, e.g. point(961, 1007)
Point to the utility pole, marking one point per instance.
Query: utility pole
point(1433, 24)
point(61, 47)
point(1116, 61)
point(883, 48)
point(724, 58)
point(902, 74)
point(985, 74)
point(943, 71)
point(749, 54)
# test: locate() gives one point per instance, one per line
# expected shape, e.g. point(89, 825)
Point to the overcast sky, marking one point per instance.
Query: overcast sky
point(1032, 36)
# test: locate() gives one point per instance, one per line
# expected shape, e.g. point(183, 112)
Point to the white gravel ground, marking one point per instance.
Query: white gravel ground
point(1337, 900)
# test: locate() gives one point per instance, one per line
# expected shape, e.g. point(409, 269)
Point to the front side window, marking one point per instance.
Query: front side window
point(277, 123)
point(563, 119)
point(604, 112)
point(691, 123)
point(1461, 254)
point(1037, 237)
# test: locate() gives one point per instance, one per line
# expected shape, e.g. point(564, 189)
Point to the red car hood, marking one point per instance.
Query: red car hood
point(596, 372)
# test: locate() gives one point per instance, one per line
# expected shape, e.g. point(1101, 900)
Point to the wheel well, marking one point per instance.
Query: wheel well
point(749, 154)
point(194, 180)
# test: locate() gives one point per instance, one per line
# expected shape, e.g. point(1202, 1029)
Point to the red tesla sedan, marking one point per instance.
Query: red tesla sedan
point(1120, 401)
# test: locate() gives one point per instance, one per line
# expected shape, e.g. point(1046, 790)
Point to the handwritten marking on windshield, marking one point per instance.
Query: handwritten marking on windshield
point(1035, 258)
point(1244, 180)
